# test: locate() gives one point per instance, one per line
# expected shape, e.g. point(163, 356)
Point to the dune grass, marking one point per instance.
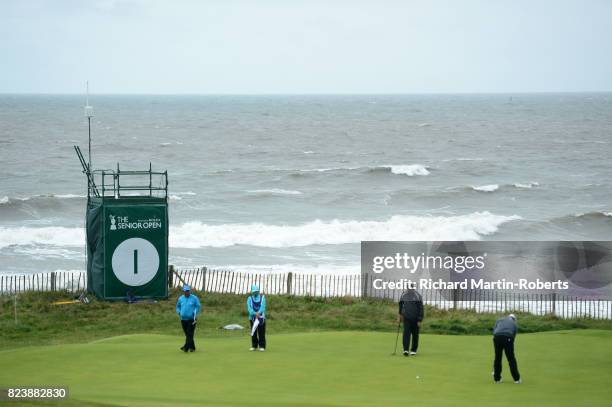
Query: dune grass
point(39, 322)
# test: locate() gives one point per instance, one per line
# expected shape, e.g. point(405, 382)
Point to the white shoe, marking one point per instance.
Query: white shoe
point(498, 381)
point(412, 353)
point(262, 349)
point(519, 381)
point(252, 349)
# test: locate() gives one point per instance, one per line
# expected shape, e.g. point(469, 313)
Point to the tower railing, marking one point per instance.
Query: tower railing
point(120, 183)
point(124, 184)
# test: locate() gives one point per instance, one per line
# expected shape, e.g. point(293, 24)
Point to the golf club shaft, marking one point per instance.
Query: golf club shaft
point(396, 338)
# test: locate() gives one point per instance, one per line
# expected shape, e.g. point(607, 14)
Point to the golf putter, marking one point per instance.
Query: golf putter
point(194, 318)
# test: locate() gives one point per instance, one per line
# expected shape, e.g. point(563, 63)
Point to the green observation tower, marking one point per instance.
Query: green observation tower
point(127, 231)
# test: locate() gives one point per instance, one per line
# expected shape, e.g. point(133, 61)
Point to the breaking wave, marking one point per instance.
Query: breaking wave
point(12, 200)
point(593, 215)
point(496, 187)
point(486, 188)
point(274, 191)
point(51, 235)
point(409, 170)
point(325, 268)
point(318, 232)
point(38, 206)
point(197, 234)
point(528, 185)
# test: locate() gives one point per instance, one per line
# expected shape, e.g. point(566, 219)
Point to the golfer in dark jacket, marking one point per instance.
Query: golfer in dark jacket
point(504, 333)
point(411, 314)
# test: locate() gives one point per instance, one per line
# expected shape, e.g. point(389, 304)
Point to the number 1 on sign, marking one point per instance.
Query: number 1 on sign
point(135, 261)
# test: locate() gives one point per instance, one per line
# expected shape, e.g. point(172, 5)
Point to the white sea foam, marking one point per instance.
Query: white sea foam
point(330, 169)
point(528, 185)
point(197, 234)
point(275, 191)
point(486, 188)
point(51, 235)
point(463, 227)
point(596, 213)
point(69, 196)
point(325, 269)
point(49, 252)
point(6, 199)
point(177, 196)
point(410, 170)
point(463, 159)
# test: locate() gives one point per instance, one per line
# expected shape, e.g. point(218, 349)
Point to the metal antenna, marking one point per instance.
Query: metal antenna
point(89, 114)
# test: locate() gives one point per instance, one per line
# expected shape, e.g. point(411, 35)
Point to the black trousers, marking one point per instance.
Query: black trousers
point(189, 329)
point(411, 328)
point(259, 337)
point(504, 344)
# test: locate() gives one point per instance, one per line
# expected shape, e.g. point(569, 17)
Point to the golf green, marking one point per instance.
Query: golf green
point(568, 368)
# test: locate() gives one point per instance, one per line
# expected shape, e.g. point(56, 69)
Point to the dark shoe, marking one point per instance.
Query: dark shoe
point(192, 350)
point(406, 353)
point(184, 349)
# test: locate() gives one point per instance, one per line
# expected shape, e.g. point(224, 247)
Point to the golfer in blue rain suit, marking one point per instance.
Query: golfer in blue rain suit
point(256, 306)
point(188, 307)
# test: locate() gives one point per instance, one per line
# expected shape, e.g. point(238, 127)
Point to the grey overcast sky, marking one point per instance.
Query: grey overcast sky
point(305, 46)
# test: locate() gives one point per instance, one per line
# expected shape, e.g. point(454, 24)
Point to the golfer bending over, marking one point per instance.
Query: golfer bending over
point(256, 305)
point(411, 314)
point(188, 307)
point(504, 333)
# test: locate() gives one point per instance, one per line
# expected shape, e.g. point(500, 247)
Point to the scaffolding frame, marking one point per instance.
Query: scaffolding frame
point(109, 183)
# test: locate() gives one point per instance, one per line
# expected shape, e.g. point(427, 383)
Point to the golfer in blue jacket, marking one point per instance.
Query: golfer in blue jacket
point(188, 307)
point(256, 306)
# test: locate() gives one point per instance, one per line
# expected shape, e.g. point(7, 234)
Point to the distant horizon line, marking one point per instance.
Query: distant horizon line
point(308, 93)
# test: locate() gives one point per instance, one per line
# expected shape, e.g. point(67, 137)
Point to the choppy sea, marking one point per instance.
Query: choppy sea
point(294, 183)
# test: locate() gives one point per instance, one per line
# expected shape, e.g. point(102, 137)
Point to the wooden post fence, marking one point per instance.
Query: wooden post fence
point(289, 282)
point(326, 286)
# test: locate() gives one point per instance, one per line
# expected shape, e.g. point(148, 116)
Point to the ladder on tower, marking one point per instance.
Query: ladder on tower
point(92, 189)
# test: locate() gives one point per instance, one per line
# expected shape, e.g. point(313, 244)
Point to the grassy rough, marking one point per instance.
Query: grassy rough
point(39, 322)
